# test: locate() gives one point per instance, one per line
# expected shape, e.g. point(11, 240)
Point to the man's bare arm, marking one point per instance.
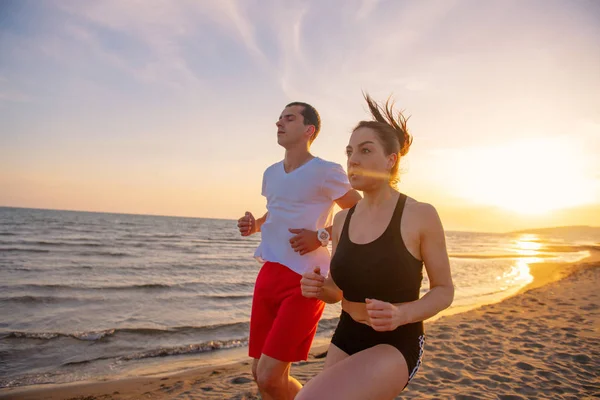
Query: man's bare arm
point(306, 240)
point(248, 225)
point(348, 200)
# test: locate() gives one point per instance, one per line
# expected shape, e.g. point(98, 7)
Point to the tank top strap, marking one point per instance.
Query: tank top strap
point(347, 223)
point(398, 211)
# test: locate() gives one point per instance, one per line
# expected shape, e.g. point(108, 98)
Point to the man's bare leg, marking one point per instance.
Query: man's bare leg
point(273, 379)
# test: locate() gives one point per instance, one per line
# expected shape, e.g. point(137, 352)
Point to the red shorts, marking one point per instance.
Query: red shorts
point(283, 322)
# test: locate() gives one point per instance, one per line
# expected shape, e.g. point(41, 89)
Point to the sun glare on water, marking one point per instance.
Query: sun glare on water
point(528, 245)
point(519, 274)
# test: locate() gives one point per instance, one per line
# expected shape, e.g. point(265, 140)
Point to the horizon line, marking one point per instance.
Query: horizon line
point(227, 219)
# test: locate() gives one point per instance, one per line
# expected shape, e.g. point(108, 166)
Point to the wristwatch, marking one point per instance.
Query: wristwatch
point(323, 237)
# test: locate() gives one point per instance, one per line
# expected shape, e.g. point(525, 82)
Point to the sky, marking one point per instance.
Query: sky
point(169, 107)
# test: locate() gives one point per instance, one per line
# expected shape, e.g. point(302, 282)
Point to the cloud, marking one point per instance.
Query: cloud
point(156, 27)
point(366, 7)
point(244, 28)
point(170, 30)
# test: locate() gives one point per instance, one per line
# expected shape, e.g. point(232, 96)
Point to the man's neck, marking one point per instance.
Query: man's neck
point(295, 158)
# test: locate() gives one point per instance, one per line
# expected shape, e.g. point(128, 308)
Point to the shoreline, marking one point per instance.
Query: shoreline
point(233, 380)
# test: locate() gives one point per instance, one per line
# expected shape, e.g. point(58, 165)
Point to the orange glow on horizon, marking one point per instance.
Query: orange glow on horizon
point(528, 177)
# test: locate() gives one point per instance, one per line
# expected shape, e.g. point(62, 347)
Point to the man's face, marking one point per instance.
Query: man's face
point(290, 127)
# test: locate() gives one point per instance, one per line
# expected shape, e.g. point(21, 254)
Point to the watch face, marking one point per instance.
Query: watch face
point(323, 236)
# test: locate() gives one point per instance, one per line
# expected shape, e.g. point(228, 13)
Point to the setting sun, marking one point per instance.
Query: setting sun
point(530, 176)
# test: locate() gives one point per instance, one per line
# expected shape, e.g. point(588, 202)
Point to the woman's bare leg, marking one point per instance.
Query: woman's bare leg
point(379, 372)
point(334, 355)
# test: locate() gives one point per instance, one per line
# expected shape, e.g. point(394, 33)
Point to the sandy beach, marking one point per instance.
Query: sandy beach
point(541, 343)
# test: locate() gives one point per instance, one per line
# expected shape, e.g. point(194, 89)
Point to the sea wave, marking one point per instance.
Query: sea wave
point(96, 335)
point(237, 328)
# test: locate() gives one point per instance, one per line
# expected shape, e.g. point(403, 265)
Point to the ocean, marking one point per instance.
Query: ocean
point(88, 295)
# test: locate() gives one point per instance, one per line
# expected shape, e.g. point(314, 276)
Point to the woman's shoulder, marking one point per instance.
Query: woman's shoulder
point(340, 217)
point(423, 212)
point(338, 223)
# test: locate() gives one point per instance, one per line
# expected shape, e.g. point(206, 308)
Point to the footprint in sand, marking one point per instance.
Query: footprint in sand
point(472, 369)
point(447, 375)
point(569, 329)
point(498, 325)
point(186, 395)
point(486, 383)
point(534, 345)
point(478, 331)
point(582, 358)
point(245, 396)
point(562, 303)
point(524, 366)
point(546, 374)
point(591, 389)
point(170, 389)
point(499, 378)
point(465, 382)
point(577, 318)
point(480, 362)
point(562, 355)
point(465, 347)
point(240, 380)
point(432, 347)
point(430, 377)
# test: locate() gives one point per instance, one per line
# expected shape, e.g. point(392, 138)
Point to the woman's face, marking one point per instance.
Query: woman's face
point(368, 165)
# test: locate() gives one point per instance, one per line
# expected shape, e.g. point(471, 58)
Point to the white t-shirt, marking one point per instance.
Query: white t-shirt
point(303, 198)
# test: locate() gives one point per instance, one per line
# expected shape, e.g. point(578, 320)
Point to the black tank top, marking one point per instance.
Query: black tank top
point(383, 269)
